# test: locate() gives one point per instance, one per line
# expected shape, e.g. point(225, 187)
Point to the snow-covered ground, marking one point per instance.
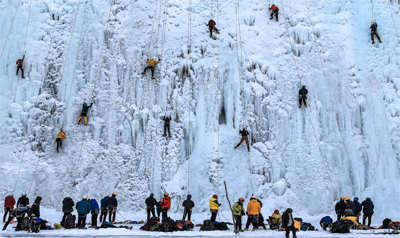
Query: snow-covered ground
point(122, 148)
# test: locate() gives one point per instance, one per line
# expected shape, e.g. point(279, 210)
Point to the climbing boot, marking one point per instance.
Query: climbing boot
point(85, 124)
point(246, 229)
point(300, 106)
point(305, 105)
point(143, 72)
point(271, 18)
point(254, 229)
point(373, 42)
point(153, 78)
point(241, 230)
point(164, 135)
point(23, 77)
point(235, 147)
point(58, 151)
point(16, 74)
point(248, 150)
point(380, 41)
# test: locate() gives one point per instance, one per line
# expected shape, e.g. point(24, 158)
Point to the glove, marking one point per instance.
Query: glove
point(243, 213)
point(219, 204)
point(159, 60)
point(247, 213)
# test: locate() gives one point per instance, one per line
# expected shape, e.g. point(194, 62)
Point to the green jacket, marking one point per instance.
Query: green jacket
point(237, 209)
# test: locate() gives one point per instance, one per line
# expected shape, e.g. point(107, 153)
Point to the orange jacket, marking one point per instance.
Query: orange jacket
point(254, 207)
point(274, 8)
point(61, 134)
point(166, 203)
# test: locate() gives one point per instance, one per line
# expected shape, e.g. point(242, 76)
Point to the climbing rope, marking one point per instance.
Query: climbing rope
point(152, 29)
point(190, 87)
point(308, 111)
point(27, 25)
point(37, 98)
point(91, 98)
point(395, 28)
point(372, 2)
point(217, 98)
point(5, 43)
point(333, 105)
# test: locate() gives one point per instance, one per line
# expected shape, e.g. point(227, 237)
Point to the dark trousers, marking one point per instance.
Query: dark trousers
point(369, 219)
point(103, 216)
point(65, 216)
point(211, 30)
point(153, 212)
point(22, 70)
point(7, 210)
point(164, 214)
point(94, 219)
point(112, 213)
point(59, 143)
point(81, 220)
point(252, 219)
point(247, 142)
point(302, 98)
point(213, 216)
point(152, 70)
point(166, 128)
point(276, 12)
point(375, 33)
point(339, 215)
point(238, 222)
point(8, 222)
point(290, 228)
point(187, 212)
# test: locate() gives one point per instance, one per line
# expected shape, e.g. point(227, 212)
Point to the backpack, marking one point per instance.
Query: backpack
point(26, 224)
point(385, 223)
point(189, 224)
point(156, 227)
point(181, 225)
point(168, 225)
point(395, 225)
point(207, 226)
point(221, 226)
point(307, 227)
point(342, 226)
point(36, 223)
point(69, 221)
point(150, 223)
point(300, 220)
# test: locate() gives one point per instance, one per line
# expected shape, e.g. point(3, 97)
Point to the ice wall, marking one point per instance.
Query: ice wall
point(122, 148)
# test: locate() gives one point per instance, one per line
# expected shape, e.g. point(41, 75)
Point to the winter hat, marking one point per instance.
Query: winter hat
point(276, 211)
point(38, 199)
point(189, 196)
point(289, 210)
point(151, 195)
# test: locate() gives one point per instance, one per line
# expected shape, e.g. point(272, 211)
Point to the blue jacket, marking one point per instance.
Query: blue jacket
point(104, 202)
point(83, 207)
point(358, 206)
point(326, 219)
point(94, 204)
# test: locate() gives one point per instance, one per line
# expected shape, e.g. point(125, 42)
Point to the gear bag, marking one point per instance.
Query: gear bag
point(342, 226)
point(156, 227)
point(181, 225)
point(207, 226)
point(150, 223)
point(385, 223)
point(221, 226)
point(69, 221)
point(168, 225)
point(189, 224)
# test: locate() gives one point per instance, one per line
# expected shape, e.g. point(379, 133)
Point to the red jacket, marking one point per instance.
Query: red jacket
point(9, 202)
point(19, 63)
point(274, 8)
point(166, 203)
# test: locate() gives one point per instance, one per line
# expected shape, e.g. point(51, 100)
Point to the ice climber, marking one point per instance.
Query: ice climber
point(288, 222)
point(303, 96)
point(67, 208)
point(150, 203)
point(20, 64)
point(340, 208)
point(23, 201)
point(166, 205)
point(275, 220)
point(211, 26)
point(238, 212)
point(85, 109)
point(112, 204)
point(214, 207)
point(94, 211)
point(83, 207)
point(152, 64)
point(368, 210)
point(18, 213)
point(275, 10)
point(326, 222)
point(374, 32)
point(104, 210)
point(244, 134)
point(9, 203)
point(253, 210)
point(167, 126)
point(60, 135)
point(188, 205)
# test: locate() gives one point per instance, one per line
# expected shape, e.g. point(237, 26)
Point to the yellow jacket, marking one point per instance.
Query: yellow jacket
point(278, 217)
point(61, 134)
point(152, 62)
point(351, 218)
point(254, 207)
point(214, 204)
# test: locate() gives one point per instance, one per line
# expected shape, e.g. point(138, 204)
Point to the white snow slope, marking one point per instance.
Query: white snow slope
point(122, 148)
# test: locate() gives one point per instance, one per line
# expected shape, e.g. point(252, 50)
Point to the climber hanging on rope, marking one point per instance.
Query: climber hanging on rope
point(152, 64)
point(275, 10)
point(84, 112)
point(60, 135)
point(211, 26)
point(303, 95)
point(166, 125)
point(20, 63)
point(244, 134)
point(374, 31)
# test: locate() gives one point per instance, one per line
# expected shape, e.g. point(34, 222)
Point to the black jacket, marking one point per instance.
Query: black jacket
point(351, 205)
point(340, 207)
point(259, 202)
point(285, 219)
point(188, 204)
point(68, 205)
point(368, 206)
point(112, 201)
point(303, 91)
point(244, 132)
point(23, 201)
point(150, 202)
point(86, 108)
point(35, 210)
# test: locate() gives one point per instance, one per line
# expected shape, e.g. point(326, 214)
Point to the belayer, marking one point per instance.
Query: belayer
point(166, 126)
point(112, 203)
point(238, 212)
point(303, 96)
point(20, 64)
point(18, 213)
point(374, 32)
point(152, 64)
point(188, 205)
point(211, 26)
point(60, 135)
point(214, 207)
point(85, 109)
point(244, 134)
point(150, 203)
point(23, 201)
point(275, 10)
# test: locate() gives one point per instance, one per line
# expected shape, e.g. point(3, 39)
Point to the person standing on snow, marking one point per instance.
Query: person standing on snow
point(67, 208)
point(166, 126)
point(303, 96)
point(374, 32)
point(112, 204)
point(211, 26)
point(20, 64)
point(85, 109)
point(288, 222)
point(253, 209)
point(94, 211)
point(23, 201)
point(18, 213)
point(188, 205)
point(35, 209)
point(60, 135)
point(166, 205)
point(244, 134)
point(150, 203)
point(152, 64)
point(275, 10)
point(104, 210)
point(214, 207)
point(83, 207)
point(368, 210)
point(340, 208)
point(238, 212)
point(350, 205)
point(9, 203)
point(358, 207)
